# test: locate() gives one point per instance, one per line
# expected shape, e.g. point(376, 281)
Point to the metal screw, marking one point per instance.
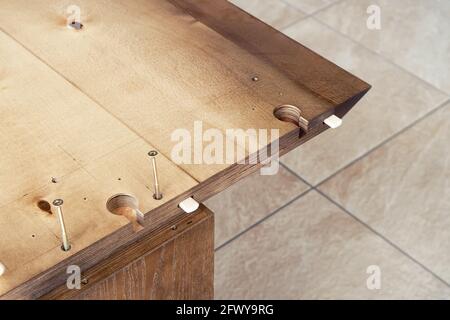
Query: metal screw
point(58, 204)
point(75, 25)
point(255, 79)
point(157, 195)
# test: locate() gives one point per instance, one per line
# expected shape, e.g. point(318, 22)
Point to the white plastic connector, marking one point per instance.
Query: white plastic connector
point(2, 269)
point(189, 205)
point(333, 122)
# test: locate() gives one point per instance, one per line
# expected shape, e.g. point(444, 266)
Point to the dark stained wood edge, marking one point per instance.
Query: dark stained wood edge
point(304, 67)
point(156, 219)
point(144, 246)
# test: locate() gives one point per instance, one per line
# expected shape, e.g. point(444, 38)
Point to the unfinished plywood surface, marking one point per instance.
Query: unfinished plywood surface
point(51, 130)
point(86, 106)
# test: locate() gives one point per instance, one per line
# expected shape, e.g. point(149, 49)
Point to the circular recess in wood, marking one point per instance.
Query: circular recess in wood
point(127, 206)
point(288, 113)
point(120, 202)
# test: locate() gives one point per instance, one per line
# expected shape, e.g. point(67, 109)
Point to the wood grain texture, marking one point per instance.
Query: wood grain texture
point(309, 75)
point(88, 105)
point(175, 263)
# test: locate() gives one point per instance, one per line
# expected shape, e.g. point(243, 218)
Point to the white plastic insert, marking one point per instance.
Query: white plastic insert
point(189, 205)
point(333, 122)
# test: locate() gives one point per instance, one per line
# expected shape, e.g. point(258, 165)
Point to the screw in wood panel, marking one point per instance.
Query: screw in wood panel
point(292, 114)
point(2, 269)
point(127, 206)
point(255, 79)
point(58, 203)
point(157, 195)
point(75, 25)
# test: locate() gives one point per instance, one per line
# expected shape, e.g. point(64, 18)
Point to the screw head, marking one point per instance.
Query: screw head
point(58, 202)
point(153, 153)
point(76, 25)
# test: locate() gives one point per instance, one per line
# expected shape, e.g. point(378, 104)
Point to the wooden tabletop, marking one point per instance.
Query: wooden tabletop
point(81, 109)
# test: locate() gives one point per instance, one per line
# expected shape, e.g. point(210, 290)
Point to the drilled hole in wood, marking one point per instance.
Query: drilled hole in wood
point(66, 250)
point(127, 206)
point(288, 113)
point(76, 25)
point(44, 206)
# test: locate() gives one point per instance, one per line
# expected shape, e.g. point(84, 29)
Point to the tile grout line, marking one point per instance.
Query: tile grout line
point(385, 59)
point(315, 187)
point(308, 15)
point(374, 231)
point(383, 238)
point(263, 219)
point(382, 143)
point(297, 175)
point(392, 137)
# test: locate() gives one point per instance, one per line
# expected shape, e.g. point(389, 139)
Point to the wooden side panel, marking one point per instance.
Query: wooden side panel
point(180, 268)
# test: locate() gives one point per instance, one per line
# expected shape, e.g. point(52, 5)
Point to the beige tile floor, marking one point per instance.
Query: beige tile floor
point(375, 192)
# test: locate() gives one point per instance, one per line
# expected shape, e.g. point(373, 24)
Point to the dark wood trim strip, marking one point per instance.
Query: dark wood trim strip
point(144, 246)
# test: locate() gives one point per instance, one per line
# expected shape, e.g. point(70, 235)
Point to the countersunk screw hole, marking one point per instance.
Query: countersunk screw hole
point(127, 206)
point(55, 180)
point(156, 198)
point(174, 228)
point(84, 281)
point(62, 248)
